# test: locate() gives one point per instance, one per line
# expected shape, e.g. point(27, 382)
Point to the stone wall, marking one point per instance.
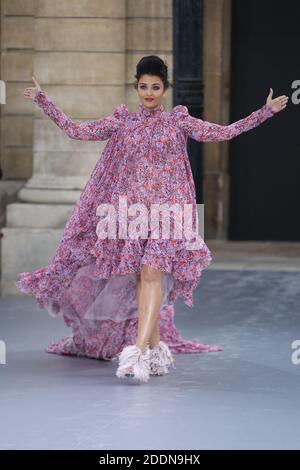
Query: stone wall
point(83, 53)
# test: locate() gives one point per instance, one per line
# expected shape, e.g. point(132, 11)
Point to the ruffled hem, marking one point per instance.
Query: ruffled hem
point(111, 338)
point(54, 285)
point(94, 290)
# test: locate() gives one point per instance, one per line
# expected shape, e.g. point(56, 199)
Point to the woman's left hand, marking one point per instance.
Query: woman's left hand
point(276, 104)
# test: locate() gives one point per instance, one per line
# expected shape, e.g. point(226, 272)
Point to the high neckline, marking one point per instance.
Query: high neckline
point(142, 111)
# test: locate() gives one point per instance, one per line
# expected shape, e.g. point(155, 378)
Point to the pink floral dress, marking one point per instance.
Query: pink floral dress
point(91, 281)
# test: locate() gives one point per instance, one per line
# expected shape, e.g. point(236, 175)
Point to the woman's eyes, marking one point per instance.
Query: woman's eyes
point(155, 87)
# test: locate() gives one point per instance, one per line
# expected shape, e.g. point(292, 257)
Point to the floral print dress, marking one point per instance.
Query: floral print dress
point(91, 281)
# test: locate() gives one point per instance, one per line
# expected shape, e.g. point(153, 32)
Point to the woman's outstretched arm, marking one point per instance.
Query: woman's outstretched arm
point(100, 129)
point(206, 131)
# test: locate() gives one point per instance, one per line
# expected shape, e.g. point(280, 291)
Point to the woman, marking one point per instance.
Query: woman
point(117, 290)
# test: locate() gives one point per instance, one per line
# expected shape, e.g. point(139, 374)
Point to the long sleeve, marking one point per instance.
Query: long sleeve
point(100, 129)
point(206, 131)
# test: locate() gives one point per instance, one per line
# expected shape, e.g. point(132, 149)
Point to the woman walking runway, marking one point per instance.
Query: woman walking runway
point(117, 292)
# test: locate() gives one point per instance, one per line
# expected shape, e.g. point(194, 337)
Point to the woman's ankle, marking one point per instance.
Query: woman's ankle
point(142, 346)
point(154, 343)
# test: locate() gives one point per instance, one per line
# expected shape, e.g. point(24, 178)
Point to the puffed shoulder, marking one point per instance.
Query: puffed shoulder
point(121, 111)
point(180, 111)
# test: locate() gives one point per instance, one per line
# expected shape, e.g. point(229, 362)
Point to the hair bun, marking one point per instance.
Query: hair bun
point(153, 65)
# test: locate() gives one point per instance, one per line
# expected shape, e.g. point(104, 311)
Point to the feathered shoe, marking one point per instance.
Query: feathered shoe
point(134, 363)
point(161, 359)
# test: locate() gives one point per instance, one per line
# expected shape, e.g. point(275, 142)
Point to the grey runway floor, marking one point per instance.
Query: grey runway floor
point(245, 397)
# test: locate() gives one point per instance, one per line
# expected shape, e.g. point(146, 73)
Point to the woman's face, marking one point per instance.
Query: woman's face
point(150, 90)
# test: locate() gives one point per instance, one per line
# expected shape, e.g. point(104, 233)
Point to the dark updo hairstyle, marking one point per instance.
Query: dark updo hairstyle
point(152, 65)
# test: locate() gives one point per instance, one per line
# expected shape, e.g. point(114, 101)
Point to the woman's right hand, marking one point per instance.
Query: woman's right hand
point(32, 91)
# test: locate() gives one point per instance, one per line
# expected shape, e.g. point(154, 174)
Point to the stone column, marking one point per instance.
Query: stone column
point(216, 61)
point(80, 63)
point(79, 60)
point(148, 31)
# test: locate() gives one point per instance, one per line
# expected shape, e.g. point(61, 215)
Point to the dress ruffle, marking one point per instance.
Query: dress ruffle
point(111, 337)
point(97, 297)
point(51, 285)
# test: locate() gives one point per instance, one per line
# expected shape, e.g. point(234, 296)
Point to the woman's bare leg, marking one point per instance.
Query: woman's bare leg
point(155, 334)
point(149, 296)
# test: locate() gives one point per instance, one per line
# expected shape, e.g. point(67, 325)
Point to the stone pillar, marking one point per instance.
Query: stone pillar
point(79, 60)
point(17, 39)
point(216, 60)
point(148, 31)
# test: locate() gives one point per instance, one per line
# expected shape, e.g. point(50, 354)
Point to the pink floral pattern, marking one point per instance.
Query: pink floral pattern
point(91, 282)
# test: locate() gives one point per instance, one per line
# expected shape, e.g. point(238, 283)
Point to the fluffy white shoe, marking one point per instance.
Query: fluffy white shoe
point(161, 359)
point(134, 363)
